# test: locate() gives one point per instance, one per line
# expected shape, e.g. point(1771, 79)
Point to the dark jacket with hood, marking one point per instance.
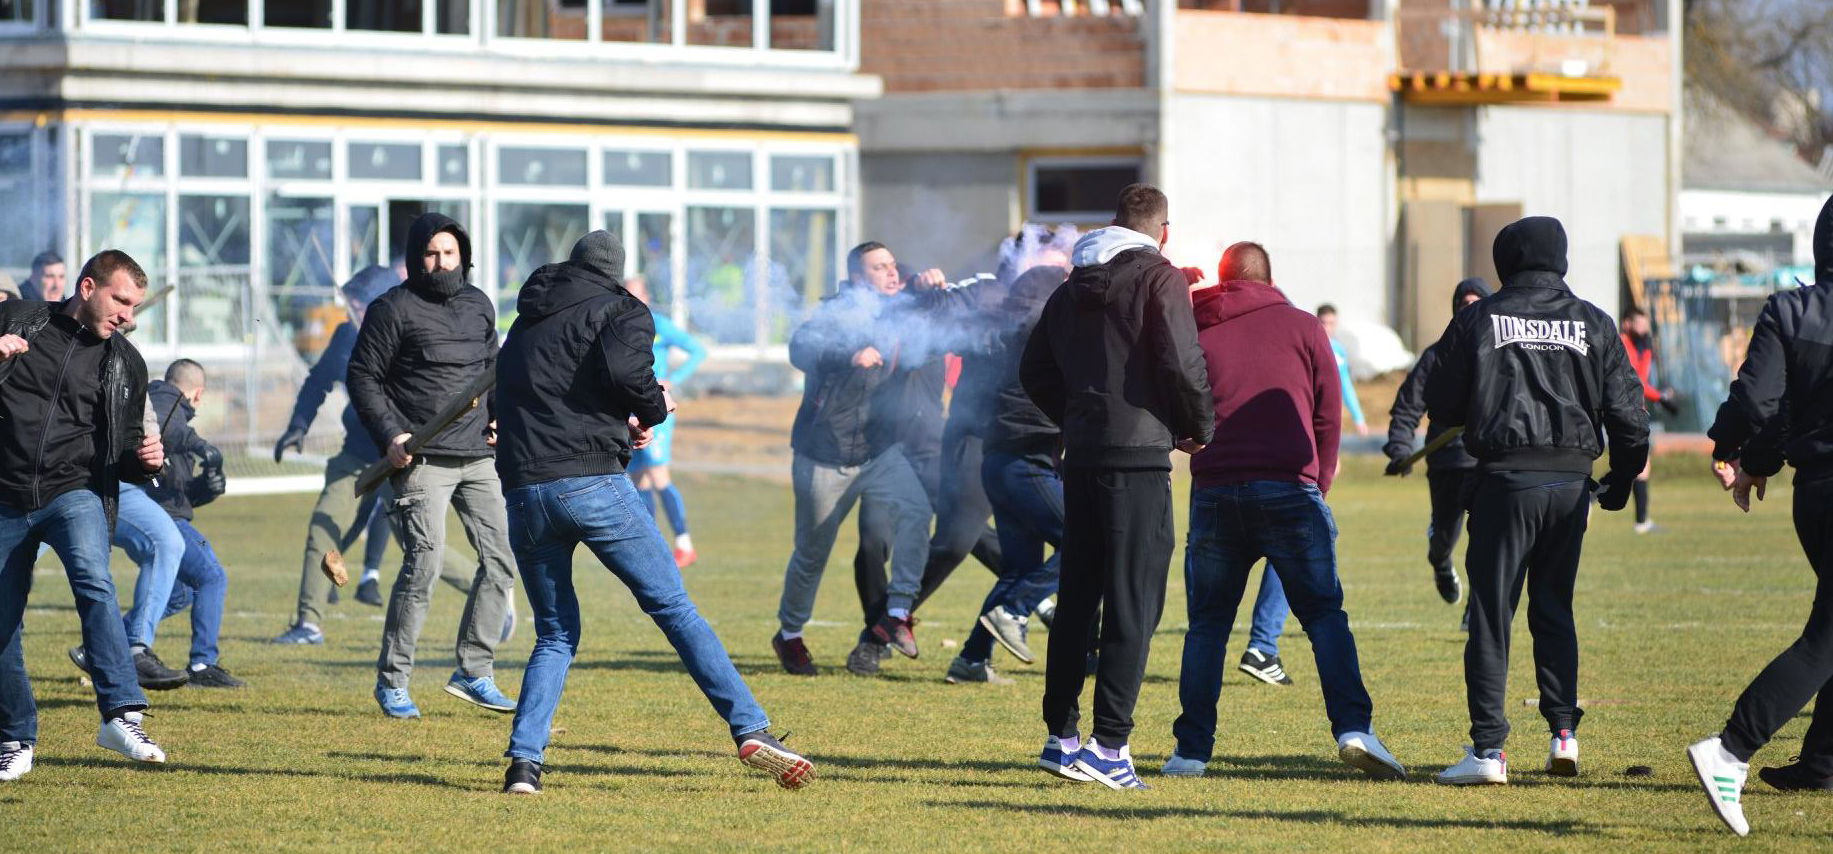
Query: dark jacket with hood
point(578, 364)
point(1114, 358)
point(1410, 402)
point(332, 367)
point(1277, 394)
point(1781, 405)
point(421, 344)
point(1014, 424)
point(194, 471)
point(48, 409)
point(1536, 374)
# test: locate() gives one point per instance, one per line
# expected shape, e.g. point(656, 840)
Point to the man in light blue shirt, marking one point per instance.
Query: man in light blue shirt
point(649, 465)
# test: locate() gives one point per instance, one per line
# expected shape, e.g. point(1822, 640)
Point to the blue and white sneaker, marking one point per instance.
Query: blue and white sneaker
point(304, 633)
point(1059, 758)
point(1112, 773)
point(395, 703)
point(481, 691)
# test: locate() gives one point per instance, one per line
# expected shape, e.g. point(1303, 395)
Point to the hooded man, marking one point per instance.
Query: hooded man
point(1446, 468)
point(420, 343)
point(1114, 362)
point(1779, 410)
point(1534, 375)
point(579, 394)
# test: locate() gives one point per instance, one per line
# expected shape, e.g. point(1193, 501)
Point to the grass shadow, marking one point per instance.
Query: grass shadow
point(1310, 817)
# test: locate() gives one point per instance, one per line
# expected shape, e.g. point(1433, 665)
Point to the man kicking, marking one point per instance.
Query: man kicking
point(1535, 375)
point(1779, 408)
point(578, 393)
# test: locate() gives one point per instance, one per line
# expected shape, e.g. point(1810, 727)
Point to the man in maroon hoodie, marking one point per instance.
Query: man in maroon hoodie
point(1258, 492)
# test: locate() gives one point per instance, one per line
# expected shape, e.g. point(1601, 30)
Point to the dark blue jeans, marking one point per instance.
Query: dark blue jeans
point(1027, 497)
point(201, 586)
point(1231, 528)
point(75, 527)
point(547, 522)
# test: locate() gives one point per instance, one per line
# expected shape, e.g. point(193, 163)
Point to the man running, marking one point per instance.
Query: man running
point(649, 464)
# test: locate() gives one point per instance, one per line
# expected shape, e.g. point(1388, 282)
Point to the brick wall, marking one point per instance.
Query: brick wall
point(981, 45)
point(1282, 56)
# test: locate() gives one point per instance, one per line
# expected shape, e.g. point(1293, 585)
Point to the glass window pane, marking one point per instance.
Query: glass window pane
point(213, 231)
point(614, 223)
point(801, 265)
point(128, 10)
point(541, 19)
point(802, 24)
point(720, 246)
point(528, 236)
point(300, 248)
point(315, 14)
point(654, 256)
point(120, 155)
point(364, 237)
point(719, 170)
point(454, 165)
point(288, 158)
point(802, 174)
point(16, 11)
point(649, 21)
point(720, 22)
point(213, 287)
point(213, 12)
point(552, 167)
point(452, 17)
point(1079, 191)
point(400, 16)
point(403, 212)
point(134, 223)
point(385, 161)
point(639, 168)
point(18, 239)
point(212, 157)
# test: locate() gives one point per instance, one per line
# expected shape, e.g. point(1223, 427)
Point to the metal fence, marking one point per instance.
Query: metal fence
point(1702, 330)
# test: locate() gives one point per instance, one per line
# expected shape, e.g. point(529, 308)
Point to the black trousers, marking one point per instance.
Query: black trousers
point(1524, 532)
point(1117, 544)
point(952, 479)
point(1446, 486)
point(1784, 688)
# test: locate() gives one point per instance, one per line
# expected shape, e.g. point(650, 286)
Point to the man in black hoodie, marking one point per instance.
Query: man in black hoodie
point(1534, 375)
point(579, 393)
point(1779, 410)
point(1114, 361)
point(1446, 468)
point(420, 344)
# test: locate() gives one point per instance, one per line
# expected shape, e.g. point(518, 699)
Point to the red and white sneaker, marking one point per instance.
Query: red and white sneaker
point(1562, 757)
point(763, 751)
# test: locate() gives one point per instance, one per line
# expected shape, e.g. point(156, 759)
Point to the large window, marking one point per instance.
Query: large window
point(721, 249)
point(213, 268)
point(529, 235)
point(135, 223)
point(17, 241)
point(1078, 190)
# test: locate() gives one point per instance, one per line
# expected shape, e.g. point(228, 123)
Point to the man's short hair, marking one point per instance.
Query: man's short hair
point(1325, 310)
point(856, 257)
point(106, 263)
point(185, 373)
point(1142, 208)
point(1633, 312)
point(1246, 262)
point(44, 259)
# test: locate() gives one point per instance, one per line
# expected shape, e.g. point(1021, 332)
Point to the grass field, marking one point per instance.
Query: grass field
point(1672, 624)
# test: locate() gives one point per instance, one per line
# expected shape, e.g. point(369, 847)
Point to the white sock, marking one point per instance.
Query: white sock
point(789, 635)
point(684, 542)
point(369, 574)
point(196, 667)
point(1112, 754)
point(1070, 744)
point(898, 613)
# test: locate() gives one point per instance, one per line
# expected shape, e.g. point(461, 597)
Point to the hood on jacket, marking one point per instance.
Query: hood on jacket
point(437, 284)
point(1101, 245)
point(163, 396)
point(592, 270)
point(370, 282)
point(1823, 245)
point(1535, 244)
point(1230, 300)
point(1465, 288)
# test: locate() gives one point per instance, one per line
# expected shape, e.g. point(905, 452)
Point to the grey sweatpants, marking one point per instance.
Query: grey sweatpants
point(423, 492)
point(824, 496)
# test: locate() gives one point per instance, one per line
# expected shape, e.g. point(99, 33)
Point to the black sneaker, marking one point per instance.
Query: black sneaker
point(369, 592)
point(80, 658)
point(212, 676)
point(522, 778)
point(1793, 778)
point(154, 675)
point(865, 657)
point(1449, 589)
point(1264, 668)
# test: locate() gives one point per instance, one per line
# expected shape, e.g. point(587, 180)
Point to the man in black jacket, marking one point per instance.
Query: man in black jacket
point(1446, 468)
point(340, 516)
point(1779, 411)
point(47, 279)
point(1534, 375)
point(1114, 361)
point(420, 344)
point(579, 392)
point(74, 394)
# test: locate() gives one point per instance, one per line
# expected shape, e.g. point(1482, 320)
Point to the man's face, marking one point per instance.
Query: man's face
point(1330, 323)
point(51, 280)
point(1468, 300)
point(880, 273)
point(108, 307)
point(441, 253)
point(1637, 325)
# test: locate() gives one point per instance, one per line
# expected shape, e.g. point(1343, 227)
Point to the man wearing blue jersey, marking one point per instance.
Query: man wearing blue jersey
point(649, 465)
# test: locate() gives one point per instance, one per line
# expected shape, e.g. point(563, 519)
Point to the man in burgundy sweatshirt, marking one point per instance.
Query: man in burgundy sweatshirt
point(1259, 493)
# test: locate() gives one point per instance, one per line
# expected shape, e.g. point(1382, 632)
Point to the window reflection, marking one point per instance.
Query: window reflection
point(134, 223)
point(649, 21)
point(528, 236)
point(213, 254)
point(726, 23)
point(541, 19)
point(721, 243)
point(315, 14)
point(300, 248)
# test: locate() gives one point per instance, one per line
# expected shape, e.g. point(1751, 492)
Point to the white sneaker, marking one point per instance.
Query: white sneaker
point(124, 736)
point(15, 760)
point(1562, 757)
point(1723, 777)
point(1364, 752)
point(1645, 527)
point(1489, 768)
point(1178, 766)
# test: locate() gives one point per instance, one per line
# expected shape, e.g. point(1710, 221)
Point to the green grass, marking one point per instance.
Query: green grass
point(1672, 625)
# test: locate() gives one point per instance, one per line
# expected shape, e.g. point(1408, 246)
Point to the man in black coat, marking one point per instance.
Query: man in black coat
point(421, 344)
point(1114, 361)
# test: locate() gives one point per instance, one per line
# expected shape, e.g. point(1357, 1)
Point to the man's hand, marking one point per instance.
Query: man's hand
point(1726, 471)
point(1741, 486)
point(490, 433)
point(1193, 276)
point(1613, 490)
point(1362, 429)
point(929, 280)
point(1397, 466)
point(397, 451)
point(152, 453)
point(639, 435)
point(12, 345)
point(868, 358)
point(294, 438)
point(1190, 446)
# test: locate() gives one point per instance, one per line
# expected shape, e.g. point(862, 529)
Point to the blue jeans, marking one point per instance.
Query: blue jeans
point(1270, 609)
point(201, 586)
point(145, 532)
point(1027, 497)
point(1231, 528)
point(74, 525)
point(547, 521)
